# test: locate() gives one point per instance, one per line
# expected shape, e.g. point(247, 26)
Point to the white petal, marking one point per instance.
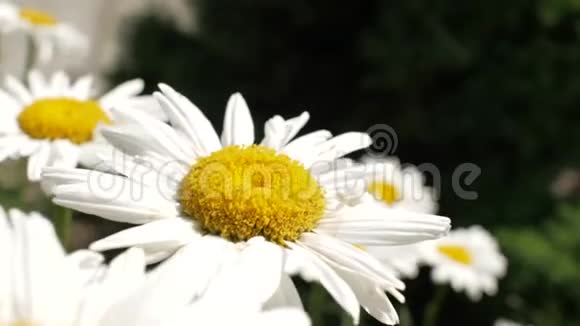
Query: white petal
point(282, 317)
point(285, 296)
point(38, 84)
point(342, 145)
point(350, 257)
point(191, 121)
point(251, 281)
point(312, 268)
point(147, 104)
point(372, 298)
point(279, 132)
point(38, 161)
point(59, 83)
point(165, 234)
point(155, 131)
point(173, 284)
point(18, 90)
point(238, 123)
point(375, 224)
point(122, 92)
point(82, 88)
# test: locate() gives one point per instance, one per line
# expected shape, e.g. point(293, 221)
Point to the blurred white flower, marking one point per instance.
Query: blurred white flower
point(468, 259)
point(41, 285)
point(54, 121)
point(507, 322)
point(399, 187)
point(402, 189)
point(197, 186)
point(50, 36)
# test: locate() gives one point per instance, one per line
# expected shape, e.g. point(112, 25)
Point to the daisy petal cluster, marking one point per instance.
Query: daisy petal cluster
point(50, 36)
point(41, 285)
point(182, 184)
point(53, 121)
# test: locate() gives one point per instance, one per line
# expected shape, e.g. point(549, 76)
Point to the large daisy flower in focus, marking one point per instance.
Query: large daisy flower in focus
point(41, 285)
point(53, 121)
point(183, 183)
point(401, 188)
point(50, 36)
point(194, 288)
point(468, 259)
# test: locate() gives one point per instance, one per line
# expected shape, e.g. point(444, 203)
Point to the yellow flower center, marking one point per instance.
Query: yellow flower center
point(37, 17)
point(456, 253)
point(62, 118)
point(242, 192)
point(384, 191)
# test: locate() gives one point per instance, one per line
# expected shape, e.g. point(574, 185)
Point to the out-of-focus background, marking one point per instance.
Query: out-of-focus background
point(493, 83)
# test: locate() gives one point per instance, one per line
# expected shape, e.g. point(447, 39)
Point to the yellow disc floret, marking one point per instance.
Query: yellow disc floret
point(37, 17)
point(458, 254)
point(62, 118)
point(242, 192)
point(384, 191)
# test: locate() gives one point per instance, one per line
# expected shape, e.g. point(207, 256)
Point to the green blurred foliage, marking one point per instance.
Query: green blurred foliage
point(496, 83)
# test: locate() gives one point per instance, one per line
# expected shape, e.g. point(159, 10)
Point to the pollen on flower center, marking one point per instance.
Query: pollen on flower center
point(37, 17)
point(62, 118)
point(242, 192)
point(384, 191)
point(456, 253)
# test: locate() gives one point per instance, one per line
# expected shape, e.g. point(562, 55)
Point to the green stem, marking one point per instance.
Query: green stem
point(63, 224)
point(433, 308)
point(316, 300)
point(405, 316)
point(345, 319)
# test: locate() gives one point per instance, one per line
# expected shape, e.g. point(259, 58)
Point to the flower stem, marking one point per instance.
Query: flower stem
point(63, 225)
point(433, 308)
point(316, 305)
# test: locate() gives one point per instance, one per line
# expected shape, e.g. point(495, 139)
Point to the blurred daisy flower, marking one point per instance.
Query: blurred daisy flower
point(468, 259)
point(49, 35)
point(53, 121)
point(507, 322)
point(186, 186)
point(399, 188)
point(41, 285)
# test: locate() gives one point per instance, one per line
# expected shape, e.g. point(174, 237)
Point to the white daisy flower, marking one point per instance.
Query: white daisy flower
point(50, 36)
point(41, 285)
point(468, 259)
point(53, 121)
point(401, 188)
point(183, 184)
point(192, 288)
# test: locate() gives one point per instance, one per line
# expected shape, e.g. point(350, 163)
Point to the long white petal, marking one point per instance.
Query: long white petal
point(17, 89)
point(38, 161)
point(350, 257)
point(122, 92)
point(312, 268)
point(285, 296)
point(190, 120)
point(238, 123)
point(166, 233)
